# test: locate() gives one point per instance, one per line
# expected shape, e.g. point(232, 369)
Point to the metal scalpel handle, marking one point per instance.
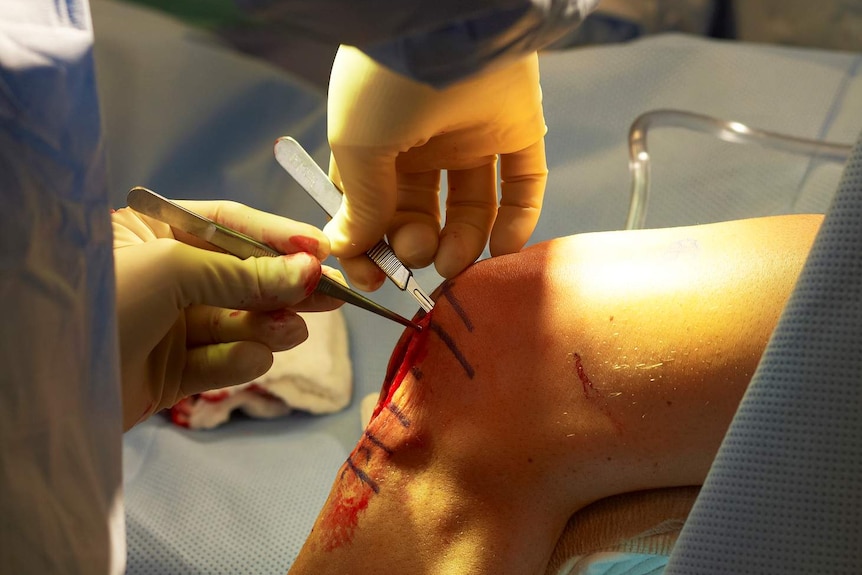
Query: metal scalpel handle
point(302, 167)
point(382, 255)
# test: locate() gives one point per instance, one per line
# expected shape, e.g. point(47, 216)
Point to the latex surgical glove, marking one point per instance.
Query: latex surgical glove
point(192, 319)
point(390, 138)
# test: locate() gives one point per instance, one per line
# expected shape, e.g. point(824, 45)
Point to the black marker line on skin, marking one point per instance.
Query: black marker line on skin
point(446, 291)
point(450, 343)
point(398, 414)
point(378, 443)
point(363, 477)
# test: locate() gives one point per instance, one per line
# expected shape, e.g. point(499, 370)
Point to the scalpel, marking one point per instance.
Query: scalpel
point(299, 164)
point(242, 246)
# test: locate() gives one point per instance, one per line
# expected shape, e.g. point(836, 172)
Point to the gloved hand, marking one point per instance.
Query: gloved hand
point(390, 137)
point(192, 319)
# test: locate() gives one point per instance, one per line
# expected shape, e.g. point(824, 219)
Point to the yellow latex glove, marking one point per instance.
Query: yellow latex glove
point(192, 319)
point(390, 137)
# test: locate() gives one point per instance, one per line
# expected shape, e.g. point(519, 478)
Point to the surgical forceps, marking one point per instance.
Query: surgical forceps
point(242, 246)
point(296, 161)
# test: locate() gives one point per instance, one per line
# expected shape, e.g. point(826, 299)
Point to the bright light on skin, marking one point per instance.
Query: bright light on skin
point(738, 128)
point(617, 270)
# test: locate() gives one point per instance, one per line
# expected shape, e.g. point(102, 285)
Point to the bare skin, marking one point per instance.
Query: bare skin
point(576, 370)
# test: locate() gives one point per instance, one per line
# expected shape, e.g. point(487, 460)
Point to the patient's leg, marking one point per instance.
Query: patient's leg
point(578, 369)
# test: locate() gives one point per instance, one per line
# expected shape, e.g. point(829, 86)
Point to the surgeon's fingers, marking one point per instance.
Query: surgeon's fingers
point(221, 280)
point(366, 175)
point(414, 233)
point(363, 273)
point(282, 234)
point(471, 207)
point(524, 175)
point(220, 365)
point(279, 330)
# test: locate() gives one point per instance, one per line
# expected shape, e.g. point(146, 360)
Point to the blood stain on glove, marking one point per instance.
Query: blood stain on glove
point(294, 244)
point(280, 316)
point(312, 280)
point(305, 244)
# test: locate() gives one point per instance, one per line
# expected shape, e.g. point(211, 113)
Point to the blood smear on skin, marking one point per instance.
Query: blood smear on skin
point(417, 349)
point(340, 521)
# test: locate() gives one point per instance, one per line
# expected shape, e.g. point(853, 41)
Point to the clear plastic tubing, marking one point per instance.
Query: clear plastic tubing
point(728, 131)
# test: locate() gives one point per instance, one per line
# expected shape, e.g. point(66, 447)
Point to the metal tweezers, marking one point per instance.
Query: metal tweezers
point(299, 164)
point(242, 246)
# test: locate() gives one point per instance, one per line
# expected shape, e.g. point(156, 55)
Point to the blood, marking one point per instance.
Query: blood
point(280, 315)
point(593, 394)
point(305, 244)
point(582, 375)
point(180, 412)
point(416, 350)
point(312, 280)
point(215, 395)
point(358, 481)
point(341, 518)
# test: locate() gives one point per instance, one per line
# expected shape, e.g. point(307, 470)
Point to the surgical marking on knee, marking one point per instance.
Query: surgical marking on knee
point(396, 411)
point(378, 443)
point(362, 476)
point(446, 291)
point(450, 343)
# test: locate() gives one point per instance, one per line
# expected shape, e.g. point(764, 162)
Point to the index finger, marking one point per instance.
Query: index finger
point(282, 234)
point(368, 179)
